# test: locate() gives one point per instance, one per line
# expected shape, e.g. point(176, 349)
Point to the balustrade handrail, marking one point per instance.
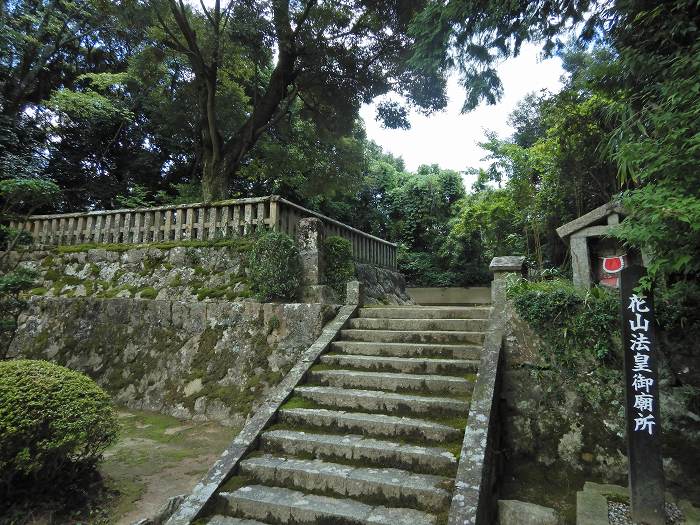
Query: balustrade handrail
point(201, 221)
point(325, 218)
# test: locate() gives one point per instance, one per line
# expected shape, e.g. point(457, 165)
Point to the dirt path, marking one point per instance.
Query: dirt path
point(158, 457)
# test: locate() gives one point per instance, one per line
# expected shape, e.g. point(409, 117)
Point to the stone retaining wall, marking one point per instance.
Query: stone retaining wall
point(381, 285)
point(182, 273)
point(202, 360)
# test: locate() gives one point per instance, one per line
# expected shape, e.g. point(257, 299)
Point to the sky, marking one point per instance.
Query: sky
point(451, 139)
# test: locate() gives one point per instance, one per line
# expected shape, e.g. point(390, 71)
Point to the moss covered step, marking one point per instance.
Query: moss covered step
point(227, 520)
point(392, 382)
point(413, 336)
point(426, 460)
point(380, 401)
point(284, 506)
point(377, 425)
point(427, 312)
point(406, 365)
point(445, 325)
point(426, 350)
point(386, 486)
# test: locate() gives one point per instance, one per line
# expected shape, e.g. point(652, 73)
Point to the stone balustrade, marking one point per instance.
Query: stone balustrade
point(199, 221)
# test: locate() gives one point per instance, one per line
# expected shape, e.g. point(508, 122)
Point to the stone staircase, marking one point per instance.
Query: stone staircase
point(373, 435)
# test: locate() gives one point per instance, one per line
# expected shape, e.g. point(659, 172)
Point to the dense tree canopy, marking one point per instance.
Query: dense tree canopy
point(125, 103)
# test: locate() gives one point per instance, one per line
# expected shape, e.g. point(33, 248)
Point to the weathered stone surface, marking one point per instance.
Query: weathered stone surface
point(452, 337)
point(407, 349)
point(464, 325)
point(381, 285)
point(289, 506)
point(226, 520)
point(309, 236)
point(389, 381)
point(370, 424)
point(207, 361)
point(366, 450)
point(205, 490)
point(427, 312)
point(410, 365)
point(179, 273)
point(375, 400)
point(514, 512)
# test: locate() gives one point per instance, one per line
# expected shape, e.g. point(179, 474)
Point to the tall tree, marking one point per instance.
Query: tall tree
point(331, 55)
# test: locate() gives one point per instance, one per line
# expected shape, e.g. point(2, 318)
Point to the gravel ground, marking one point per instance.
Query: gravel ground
point(619, 514)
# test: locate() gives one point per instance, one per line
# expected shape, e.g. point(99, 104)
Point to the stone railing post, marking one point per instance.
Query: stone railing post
point(310, 235)
point(354, 293)
point(503, 268)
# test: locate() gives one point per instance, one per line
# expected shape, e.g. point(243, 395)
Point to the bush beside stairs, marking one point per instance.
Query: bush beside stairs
point(373, 434)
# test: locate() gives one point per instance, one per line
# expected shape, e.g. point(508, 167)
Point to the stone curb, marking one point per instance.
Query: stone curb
point(195, 502)
point(472, 499)
point(471, 493)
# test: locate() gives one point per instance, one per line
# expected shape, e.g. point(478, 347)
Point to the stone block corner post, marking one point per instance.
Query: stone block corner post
point(503, 268)
point(309, 238)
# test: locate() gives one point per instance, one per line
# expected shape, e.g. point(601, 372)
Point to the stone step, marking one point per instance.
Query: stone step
point(378, 425)
point(379, 401)
point(407, 350)
point(413, 336)
point(388, 486)
point(227, 520)
point(284, 506)
point(445, 325)
point(406, 365)
point(430, 460)
point(391, 382)
point(427, 312)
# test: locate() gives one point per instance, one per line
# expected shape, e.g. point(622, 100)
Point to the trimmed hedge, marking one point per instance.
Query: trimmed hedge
point(53, 422)
point(275, 267)
point(340, 269)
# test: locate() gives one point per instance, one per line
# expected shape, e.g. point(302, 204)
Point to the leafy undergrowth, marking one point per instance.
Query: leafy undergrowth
point(156, 457)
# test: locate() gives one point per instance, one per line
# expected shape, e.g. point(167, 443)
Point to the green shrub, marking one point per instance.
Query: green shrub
point(339, 269)
point(580, 334)
point(275, 267)
point(148, 293)
point(54, 424)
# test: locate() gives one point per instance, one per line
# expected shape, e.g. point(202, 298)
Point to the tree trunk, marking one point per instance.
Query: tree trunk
point(215, 178)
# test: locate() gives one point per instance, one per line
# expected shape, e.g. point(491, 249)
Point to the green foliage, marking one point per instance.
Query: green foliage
point(54, 423)
point(148, 293)
point(339, 267)
point(275, 267)
point(12, 284)
point(579, 333)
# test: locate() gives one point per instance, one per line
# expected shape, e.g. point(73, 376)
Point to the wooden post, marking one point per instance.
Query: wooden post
point(248, 219)
point(274, 215)
point(646, 473)
point(201, 219)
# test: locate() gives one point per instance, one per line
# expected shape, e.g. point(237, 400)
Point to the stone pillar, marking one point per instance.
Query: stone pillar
point(310, 235)
point(502, 268)
point(580, 261)
point(354, 293)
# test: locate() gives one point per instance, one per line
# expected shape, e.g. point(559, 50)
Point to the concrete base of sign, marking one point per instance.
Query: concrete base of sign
point(592, 504)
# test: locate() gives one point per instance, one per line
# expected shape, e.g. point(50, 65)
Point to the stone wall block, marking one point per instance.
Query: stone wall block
point(309, 238)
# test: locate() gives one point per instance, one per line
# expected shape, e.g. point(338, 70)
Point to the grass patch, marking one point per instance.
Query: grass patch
point(298, 402)
point(148, 293)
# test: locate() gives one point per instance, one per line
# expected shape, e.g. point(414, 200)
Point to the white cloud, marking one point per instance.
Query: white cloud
point(449, 138)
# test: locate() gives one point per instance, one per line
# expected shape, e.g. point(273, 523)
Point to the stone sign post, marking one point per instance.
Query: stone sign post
point(646, 475)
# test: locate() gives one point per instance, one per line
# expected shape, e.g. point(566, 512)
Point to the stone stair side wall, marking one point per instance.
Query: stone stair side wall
point(475, 494)
point(196, 502)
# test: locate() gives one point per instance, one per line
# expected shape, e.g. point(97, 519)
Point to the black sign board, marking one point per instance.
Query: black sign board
point(646, 474)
